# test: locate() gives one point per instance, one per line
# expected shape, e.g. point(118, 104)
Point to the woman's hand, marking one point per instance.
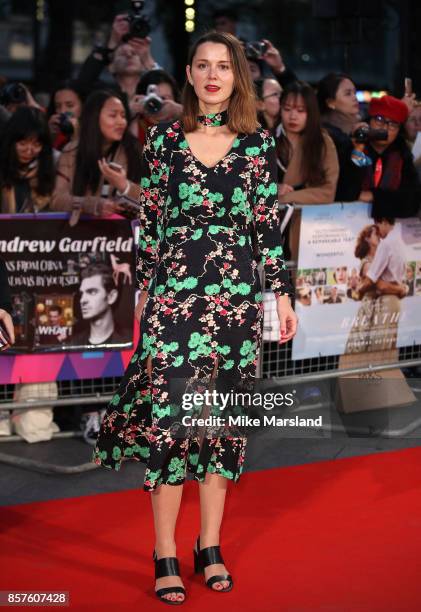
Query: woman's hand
point(283, 189)
point(116, 178)
point(170, 111)
point(109, 207)
point(136, 106)
point(139, 306)
point(53, 124)
point(273, 58)
point(288, 320)
point(6, 319)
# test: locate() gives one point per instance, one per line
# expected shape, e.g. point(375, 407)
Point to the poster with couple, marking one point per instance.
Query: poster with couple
point(358, 282)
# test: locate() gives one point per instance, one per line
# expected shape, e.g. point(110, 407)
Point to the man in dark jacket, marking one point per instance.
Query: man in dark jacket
point(391, 182)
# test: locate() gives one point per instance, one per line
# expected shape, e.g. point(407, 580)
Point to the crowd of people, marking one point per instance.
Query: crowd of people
point(82, 154)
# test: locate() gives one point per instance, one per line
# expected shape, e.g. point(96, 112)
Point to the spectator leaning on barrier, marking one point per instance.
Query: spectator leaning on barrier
point(339, 108)
point(157, 100)
point(64, 113)
point(126, 61)
point(104, 138)
point(268, 93)
point(306, 155)
point(391, 182)
point(26, 163)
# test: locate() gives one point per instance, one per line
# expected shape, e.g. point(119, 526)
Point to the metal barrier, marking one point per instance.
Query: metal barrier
point(275, 365)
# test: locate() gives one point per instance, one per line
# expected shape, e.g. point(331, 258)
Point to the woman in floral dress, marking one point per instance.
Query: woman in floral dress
point(208, 204)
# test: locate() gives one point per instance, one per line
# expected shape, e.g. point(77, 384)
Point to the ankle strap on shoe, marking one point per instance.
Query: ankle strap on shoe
point(210, 555)
point(167, 566)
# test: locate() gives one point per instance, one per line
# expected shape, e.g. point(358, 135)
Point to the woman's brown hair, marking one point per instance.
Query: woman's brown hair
point(242, 114)
point(313, 142)
point(362, 247)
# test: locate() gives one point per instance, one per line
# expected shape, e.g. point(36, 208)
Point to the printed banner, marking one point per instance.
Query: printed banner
point(72, 289)
point(358, 283)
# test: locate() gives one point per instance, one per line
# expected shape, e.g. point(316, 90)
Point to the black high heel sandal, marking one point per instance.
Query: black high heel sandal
point(208, 556)
point(168, 566)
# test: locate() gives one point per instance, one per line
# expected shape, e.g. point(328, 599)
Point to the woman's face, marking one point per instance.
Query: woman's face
point(341, 275)
point(28, 149)
point(211, 75)
point(413, 125)
point(112, 120)
point(164, 91)
point(67, 101)
point(345, 100)
point(391, 129)
point(271, 97)
point(294, 114)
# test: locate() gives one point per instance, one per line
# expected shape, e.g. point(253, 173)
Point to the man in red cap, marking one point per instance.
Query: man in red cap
point(391, 182)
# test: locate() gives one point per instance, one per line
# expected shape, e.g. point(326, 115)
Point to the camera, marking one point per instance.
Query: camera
point(65, 125)
point(364, 134)
point(139, 24)
point(255, 50)
point(13, 93)
point(152, 103)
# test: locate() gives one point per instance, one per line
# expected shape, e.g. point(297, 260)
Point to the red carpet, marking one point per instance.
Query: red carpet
point(332, 536)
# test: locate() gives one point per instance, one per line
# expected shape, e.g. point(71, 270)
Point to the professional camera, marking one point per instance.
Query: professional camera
point(139, 24)
point(364, 134)
point(152, 103)
point(255, 50)
point(65, 125)
point(13, 93)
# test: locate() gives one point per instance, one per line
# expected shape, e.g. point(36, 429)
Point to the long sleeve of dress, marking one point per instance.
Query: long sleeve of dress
point(150, 209)
point(266, 220)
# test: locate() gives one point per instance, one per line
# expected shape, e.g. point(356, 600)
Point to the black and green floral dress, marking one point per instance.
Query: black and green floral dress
point(200, 231)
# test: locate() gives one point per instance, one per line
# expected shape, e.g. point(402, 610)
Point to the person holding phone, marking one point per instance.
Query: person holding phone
point(82, 183)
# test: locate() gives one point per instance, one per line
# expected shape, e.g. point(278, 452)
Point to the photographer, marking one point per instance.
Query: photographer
point(16, 95)
point(262, 54)
point(339, 108)
point(126, 58)
point(391, 182)
point(64, 113)
point(104, 138)
point(157, 100)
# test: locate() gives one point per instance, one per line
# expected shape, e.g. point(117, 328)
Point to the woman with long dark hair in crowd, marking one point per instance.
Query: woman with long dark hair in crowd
point(306, 155)
point(83, 168)
point(211, 181)
point(64, 112)
point(26, 163)
point(340, 112)
point(268, 93)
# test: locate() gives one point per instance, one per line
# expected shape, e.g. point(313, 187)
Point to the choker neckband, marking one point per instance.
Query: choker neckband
point(214, 119)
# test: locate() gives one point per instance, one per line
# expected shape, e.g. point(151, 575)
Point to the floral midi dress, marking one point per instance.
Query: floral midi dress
point(202, 232)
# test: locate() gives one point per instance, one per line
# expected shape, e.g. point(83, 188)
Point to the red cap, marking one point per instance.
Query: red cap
point(389, 107)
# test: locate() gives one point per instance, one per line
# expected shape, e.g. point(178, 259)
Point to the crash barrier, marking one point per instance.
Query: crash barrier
point(377, 332)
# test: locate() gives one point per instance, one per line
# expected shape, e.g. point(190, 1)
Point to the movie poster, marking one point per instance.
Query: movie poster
point(72, 287)
point(339, 310)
